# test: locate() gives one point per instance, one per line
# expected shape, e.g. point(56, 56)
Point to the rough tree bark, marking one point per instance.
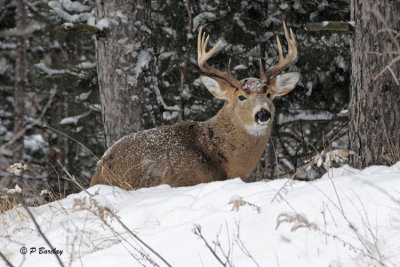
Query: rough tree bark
point(375, 94)
point(20, 65)
point(126, 68)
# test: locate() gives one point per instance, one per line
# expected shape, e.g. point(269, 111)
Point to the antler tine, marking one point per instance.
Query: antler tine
point(283, 61)
point(229, 66)
point(203, 56)
point(262, 73)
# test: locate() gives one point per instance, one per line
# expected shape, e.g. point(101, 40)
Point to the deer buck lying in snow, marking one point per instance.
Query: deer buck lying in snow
point(226, 146)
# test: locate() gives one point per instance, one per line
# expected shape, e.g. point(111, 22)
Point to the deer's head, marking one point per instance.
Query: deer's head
point(250, 99)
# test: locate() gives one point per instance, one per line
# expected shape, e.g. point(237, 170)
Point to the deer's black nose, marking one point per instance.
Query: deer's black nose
point(263, 115)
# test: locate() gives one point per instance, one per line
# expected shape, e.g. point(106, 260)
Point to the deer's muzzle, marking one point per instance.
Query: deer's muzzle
point(262, 116)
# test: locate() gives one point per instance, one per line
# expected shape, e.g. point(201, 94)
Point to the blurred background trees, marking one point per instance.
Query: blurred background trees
point(61, 78)
point(375, 84)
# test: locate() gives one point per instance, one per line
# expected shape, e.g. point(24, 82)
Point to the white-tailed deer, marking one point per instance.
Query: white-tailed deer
point(226, 146)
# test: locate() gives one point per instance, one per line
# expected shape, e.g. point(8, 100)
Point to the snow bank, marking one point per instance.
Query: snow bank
point(348, 218)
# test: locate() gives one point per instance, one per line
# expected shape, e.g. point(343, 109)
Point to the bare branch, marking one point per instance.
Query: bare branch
point(41, 233)
point(6, 260)
point(32, 124)
point(197, 231)
point(342, 26)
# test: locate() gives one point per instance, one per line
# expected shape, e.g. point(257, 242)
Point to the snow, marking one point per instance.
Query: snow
point(202, 19)
point(34, 143)
point(74, 6)
point(104, 23)
point(51, 72)
point(3, 130)
point(283, 6)
point(142, 63)
point(306, 115)
point(166, 55)
point(86, 65)
point(74, 119)
point(16, 190)
point(348, 218)
point(240, 67)
point(68, 25)
point(122, 16)
point(83, 96)
point(242, 25)
point(4, 46)
point(63, 7)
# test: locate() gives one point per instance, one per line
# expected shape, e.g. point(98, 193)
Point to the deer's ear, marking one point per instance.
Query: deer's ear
point(217, 87)
point(283, 84)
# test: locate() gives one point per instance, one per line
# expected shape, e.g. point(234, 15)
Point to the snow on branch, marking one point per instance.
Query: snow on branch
point(103, 24)
point(202, 18)
point(161, 102)
point(65, 9)
point(30, 29)
point(307, 115)
point(86, 65)
point(75, 6)
point(5, 46)
point(74, 119)
point(82, 28)
point(344, 26)
point(80, 66)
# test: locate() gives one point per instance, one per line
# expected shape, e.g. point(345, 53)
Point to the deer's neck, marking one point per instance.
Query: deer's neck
point(236, 147)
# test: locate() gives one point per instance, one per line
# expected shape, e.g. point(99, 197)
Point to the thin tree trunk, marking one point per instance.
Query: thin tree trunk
point(375, 97)
point(270, 150)
point(181, 104)
point(126, 68)
point(20, 66)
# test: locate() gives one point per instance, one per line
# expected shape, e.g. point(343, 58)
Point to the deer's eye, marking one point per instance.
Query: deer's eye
point(242, 97)
point(268, 95)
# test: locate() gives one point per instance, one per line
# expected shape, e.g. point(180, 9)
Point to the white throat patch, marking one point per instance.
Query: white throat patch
point(257, 129)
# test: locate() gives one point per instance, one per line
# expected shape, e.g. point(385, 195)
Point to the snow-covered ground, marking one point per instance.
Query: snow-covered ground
point(346, 218)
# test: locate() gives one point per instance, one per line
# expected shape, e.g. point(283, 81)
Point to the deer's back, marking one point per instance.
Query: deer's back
point(171, 155)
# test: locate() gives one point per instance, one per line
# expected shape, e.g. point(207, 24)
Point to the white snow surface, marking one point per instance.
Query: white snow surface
point(351, 218)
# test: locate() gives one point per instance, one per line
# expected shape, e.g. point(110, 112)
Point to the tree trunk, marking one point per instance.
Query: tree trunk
point(270, 157)
point(375, 94)
point(126, 68)
point(19, 110)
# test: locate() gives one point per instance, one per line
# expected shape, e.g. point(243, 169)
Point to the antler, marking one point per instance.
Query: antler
point(283, 61)
point(203, 56)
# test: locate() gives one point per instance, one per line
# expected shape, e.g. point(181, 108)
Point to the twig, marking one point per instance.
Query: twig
point(71, 138)
point(110, 212)
point(81, 28)
point(186, 59)
point(6, 260)
point(141, 241)
point(329, 26)
point(197, 231)
point(41, 233)
point(73, 179)
point(242, 246)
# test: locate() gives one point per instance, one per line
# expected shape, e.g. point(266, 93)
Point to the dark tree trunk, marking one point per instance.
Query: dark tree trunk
point(270, 157)
point(19, 111)
point(126, 68)
point(375, 95)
